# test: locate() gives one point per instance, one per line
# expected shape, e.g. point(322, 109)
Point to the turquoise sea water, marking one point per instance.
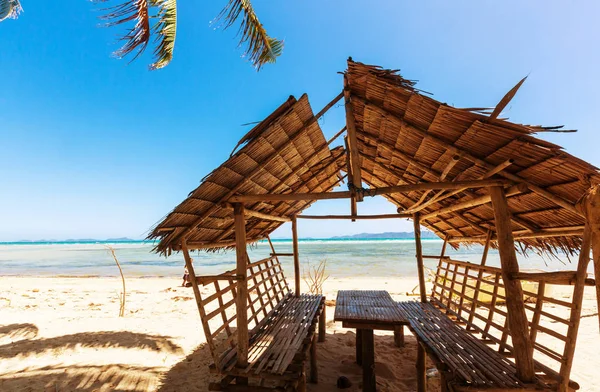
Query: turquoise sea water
point(344, 258)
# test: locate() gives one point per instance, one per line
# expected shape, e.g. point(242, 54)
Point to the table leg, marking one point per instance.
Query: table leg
point(399, 336)
point(421, 377)
point(368, 355)
point(359, 346)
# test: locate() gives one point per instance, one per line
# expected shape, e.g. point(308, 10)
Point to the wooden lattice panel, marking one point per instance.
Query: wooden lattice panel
point(267, 287)
point(475, 295)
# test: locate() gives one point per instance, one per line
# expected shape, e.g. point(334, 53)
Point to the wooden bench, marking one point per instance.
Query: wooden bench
point(464, 329)
point(281, 330)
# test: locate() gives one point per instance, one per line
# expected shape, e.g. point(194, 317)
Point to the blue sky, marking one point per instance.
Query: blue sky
point(93, 147)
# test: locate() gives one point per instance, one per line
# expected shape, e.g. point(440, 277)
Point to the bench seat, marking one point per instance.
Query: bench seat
point(276, 340)
point(465, 361)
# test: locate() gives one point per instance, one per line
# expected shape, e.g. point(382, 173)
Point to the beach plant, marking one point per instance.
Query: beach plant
point(122, 296)
point(314, 277)
point(156, 21)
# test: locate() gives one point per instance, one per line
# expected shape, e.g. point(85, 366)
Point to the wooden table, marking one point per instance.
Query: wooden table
point(367, 310)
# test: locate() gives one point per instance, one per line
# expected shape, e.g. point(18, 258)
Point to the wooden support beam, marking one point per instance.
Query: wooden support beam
point(449, 166)
point(291, 209)
point(355, 217)
point(499, 168)
point(258, 168)
point(575, 317)
point(296, 256)
point(372, 192)
point(417, 130)
point(204, 279)
point(241, 305)
point(525, 234)
point(336, 135)
point(590, 206)
point(419, 255)
point(352, 141)
point(568, 278)
point(517, 319)
point(353, 207)
point(514, 190)
point(196, 289)
point(258, 214)
point(415, 207)
point(208, 245)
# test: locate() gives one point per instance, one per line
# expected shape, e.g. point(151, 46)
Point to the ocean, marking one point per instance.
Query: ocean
point(344, 258)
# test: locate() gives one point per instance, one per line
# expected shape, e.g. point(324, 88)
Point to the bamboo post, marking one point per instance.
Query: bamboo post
point(296, 256)
point(314, 370)
point(575, 317)
point(242, 289)
point(420, 267)
point(517, 318)
point(190, 268)
point(592, 213)
point(323, 323)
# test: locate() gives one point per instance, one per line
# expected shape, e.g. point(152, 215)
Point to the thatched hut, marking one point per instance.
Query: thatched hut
point(466, 174)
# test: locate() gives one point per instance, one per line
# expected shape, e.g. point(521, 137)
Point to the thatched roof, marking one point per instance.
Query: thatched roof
point(403, 136)
point(285, 153)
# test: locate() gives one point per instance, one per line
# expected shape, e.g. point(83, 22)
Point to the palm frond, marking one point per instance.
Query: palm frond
point(137, 38)
point(260, 48)
point(165, 30)
point(10, 9)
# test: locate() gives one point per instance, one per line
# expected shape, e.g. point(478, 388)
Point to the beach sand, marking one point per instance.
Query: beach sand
point(64, 334)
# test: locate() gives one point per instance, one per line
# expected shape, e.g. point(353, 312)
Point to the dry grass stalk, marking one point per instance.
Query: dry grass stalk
point(430, 278)
point(315, 277)
point(122, 295)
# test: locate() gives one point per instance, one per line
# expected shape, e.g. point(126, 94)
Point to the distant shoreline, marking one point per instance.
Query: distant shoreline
point(144, 242)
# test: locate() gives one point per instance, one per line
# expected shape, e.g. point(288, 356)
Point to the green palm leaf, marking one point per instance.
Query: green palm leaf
point(165, 30)
point(10, 9)
point(137, 38)
point(260, 48)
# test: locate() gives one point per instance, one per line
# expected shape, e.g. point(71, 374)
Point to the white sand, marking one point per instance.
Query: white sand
point(64, 334)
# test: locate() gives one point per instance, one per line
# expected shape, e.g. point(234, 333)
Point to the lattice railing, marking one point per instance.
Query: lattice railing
point(475, 296)
point(267, 287)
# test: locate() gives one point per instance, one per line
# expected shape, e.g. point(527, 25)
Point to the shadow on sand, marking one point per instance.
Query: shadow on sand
point(191, 374)
point(82, 378)
point(61, 378)
point(18, 331)
point(395, 367)
point(109, 339)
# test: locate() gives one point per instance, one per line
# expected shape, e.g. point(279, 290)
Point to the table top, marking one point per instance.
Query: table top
point(368, 306)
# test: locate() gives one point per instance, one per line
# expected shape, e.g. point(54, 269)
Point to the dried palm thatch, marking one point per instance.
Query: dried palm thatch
point(406, 137)
point(285, 153)
point(402, 136)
